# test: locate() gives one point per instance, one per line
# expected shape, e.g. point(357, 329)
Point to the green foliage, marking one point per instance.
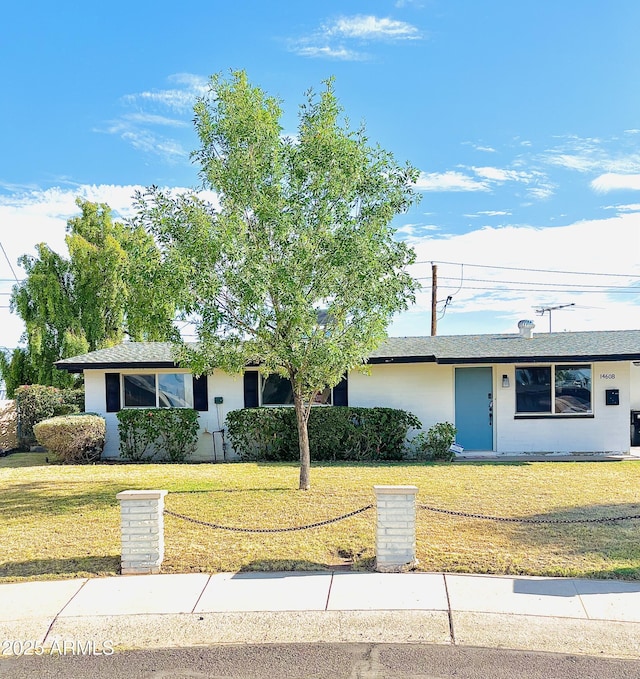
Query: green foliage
point(167, 434)
point(15, 370)
point(297, 269)
point(90, 300)
point(435, 444)
point(73, 439)
point(38, 402)
point(337, 433)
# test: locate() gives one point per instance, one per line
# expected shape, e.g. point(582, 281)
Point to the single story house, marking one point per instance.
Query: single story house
point(520, 393)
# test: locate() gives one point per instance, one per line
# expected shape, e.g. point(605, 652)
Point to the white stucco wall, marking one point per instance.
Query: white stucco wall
point(606, 431)
point(424, 389)
point(230, 388)
point(427, 391)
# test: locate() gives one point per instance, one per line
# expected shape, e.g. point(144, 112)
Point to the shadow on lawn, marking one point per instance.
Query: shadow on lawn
point(230, 490)
point(51, 498)
point(584, 533)
point(78, 566)
point(278, 567)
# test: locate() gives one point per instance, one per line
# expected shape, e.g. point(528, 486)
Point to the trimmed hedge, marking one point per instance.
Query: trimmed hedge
point(37, 402)
point(336, 433)
point(164, 434)
point(73, 439)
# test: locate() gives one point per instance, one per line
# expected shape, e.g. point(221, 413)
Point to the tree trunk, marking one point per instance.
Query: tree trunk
point(302, 418)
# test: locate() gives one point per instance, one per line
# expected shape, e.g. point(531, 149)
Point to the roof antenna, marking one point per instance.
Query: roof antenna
point(542, 310)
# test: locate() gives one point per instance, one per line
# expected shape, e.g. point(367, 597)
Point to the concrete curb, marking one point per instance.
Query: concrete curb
point(586, 617)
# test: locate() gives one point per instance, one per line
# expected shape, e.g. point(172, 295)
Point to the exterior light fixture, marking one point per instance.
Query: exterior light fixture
point(505, 381)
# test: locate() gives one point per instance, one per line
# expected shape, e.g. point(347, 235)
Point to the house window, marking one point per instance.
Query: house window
point(555, 389)
point(159, 390)
point(276, 391)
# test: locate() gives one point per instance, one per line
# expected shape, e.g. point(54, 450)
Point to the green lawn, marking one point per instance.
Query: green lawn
point(63, 521)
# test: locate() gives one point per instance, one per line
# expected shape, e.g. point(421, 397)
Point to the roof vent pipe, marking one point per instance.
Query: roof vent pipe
point(526, 328)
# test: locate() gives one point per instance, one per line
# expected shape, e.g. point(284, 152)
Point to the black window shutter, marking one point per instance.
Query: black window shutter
point(251, 389)
point(112, 391)
point(341, 393)
point(200, 393)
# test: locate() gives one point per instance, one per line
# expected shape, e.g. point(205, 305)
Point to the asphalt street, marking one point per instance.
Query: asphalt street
point(321, 661)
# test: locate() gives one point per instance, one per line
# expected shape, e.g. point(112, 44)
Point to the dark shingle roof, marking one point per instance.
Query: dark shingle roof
point(615, 345)
point(602, 345)
point(125, 355)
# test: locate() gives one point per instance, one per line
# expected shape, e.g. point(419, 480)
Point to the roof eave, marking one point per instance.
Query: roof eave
point(554, 358)
point(401, 359)
point(114, 365)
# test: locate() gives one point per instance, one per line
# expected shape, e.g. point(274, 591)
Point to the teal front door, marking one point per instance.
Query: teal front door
point(474, 408)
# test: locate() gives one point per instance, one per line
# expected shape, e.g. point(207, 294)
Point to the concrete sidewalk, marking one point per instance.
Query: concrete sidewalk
point(592, 617)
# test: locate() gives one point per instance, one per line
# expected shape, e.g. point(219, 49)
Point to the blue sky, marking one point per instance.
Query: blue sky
point(522, 117)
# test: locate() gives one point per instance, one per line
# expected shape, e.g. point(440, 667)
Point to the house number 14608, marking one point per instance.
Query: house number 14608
point(607, 376)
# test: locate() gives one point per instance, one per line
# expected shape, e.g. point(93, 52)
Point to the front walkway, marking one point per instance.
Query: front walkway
point(633, 454)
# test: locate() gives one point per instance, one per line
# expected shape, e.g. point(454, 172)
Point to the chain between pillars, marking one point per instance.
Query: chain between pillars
point(237, 529)
point(142, 526)
point(515, 519)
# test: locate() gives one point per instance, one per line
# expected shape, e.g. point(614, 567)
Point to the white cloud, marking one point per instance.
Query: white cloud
point(593, 155)
point(369, 27)
point(137, 127)
point(153, 119)
point(612, 181)
point(415, 230)
point(146, 140)
point(581, 163)
point(332, 40)
point(328, 52)
point(449, 181)
point(500, 175)
point(631, 207)
point(180, 99)
point(541, 192)
point(494, 213)
point(607, 246)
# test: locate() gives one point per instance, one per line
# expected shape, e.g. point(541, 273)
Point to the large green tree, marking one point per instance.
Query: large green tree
point(89, 300)
point(297, 268)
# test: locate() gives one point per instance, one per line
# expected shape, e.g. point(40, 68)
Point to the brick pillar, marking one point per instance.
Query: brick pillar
point(396, 528)
point(142, 530)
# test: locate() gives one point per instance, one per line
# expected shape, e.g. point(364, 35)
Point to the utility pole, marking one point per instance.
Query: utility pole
point(434, 298)
point(542, 310)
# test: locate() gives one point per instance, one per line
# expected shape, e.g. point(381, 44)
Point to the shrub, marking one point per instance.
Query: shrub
point(337, 433)
point(8, 426)
point(167, 434)
point(73, 439)
point(37, 402)
point(436, 443)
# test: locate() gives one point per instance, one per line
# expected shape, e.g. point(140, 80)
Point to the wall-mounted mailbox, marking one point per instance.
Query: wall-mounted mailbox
point(612, 397)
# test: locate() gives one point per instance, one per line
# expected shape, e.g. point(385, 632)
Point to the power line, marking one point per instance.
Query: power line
point(9, 262)
point(566, 285)
point(520, 268)
point(605, 291)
